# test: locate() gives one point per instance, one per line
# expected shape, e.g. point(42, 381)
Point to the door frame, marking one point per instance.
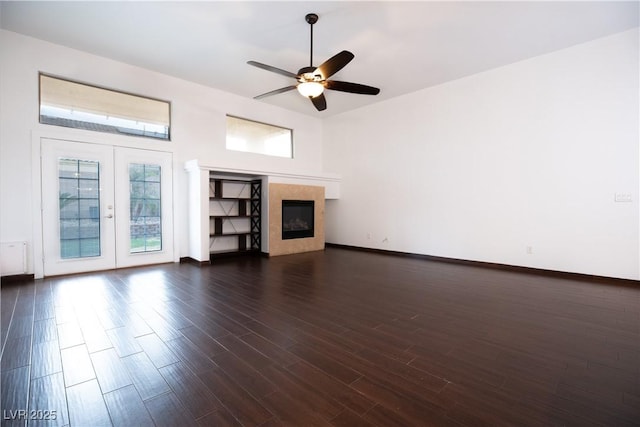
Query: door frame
point(86, 137)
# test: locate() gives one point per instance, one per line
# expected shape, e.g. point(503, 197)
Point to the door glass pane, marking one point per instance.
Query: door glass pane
point(79, 208)
point(145, 227)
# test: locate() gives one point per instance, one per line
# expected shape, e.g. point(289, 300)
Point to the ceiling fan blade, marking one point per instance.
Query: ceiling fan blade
point(272, 69)
point(351, 87)
point(335, 63)
point(275, 92)
point(320, 102)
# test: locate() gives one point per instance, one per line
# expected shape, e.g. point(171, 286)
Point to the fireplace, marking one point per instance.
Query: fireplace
point(297, 219)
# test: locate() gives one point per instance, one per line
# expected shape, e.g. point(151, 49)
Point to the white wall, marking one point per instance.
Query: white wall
point(530, 154)
point(198, 126)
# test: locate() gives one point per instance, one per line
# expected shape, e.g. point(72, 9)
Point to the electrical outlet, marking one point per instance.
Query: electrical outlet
point(622, 197)
point(368, 236)
point(529, 250)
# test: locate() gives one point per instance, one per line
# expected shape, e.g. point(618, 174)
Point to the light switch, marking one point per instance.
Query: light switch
point(622, 197)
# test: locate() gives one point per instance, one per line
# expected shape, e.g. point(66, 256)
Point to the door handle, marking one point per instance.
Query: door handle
point(109, 216)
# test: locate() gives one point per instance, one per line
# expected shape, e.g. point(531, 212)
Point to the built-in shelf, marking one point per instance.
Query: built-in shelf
point(234, 216)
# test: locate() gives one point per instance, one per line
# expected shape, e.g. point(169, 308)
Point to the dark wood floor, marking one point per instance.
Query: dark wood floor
point(339, 338)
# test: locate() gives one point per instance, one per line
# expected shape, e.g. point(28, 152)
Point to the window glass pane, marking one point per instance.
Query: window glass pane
point(70, 248)
point(79, 208)
point(136, 173)
point(69, 207)
point(151, 208)
point(90, 228)
point(145, 226)
point(68, 188)
point(255, 137)
point(71, 104)
point(152, 190)
point(152, 174)
point(88, 170)
point(69, 229)
point(89, 209)
point(88, 189)
point(89, 247)
point(68, 168)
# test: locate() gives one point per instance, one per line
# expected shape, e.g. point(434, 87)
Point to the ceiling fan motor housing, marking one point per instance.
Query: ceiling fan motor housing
point(309, 74)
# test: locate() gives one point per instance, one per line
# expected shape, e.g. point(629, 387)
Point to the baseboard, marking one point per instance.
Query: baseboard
point(16, 278)
point(230, 255)
point(496, 266)
point(189, 260)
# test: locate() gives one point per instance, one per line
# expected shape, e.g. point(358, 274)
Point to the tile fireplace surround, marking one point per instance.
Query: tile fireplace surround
point(280, 192)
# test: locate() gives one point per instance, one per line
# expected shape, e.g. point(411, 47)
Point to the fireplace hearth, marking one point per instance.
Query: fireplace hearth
point(297, 219)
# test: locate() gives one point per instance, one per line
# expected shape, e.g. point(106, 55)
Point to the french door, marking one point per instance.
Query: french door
point(104, 207)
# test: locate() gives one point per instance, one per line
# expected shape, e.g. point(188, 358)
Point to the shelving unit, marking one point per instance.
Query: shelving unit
point(234, 216)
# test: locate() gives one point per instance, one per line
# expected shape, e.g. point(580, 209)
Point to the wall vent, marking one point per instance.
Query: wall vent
point(13, 258)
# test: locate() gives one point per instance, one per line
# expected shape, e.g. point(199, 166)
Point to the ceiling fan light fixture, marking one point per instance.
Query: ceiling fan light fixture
point(310, 89)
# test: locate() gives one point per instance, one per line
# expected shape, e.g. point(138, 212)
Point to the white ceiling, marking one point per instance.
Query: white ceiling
point(399, 47)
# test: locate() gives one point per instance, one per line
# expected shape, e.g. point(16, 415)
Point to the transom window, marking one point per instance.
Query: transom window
point(261, 138)
point(76, 105)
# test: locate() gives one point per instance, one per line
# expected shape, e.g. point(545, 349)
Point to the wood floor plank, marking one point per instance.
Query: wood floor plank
point(145, 376)
point(167, 411)
point(348, 418)
point(45, 330)
point(124, 341)
point(306, 394)
point(44, 309)
point(325, 363)
point(243, 374)
point(21, 326)
point(127, 409)
point(48, 399)
point(244, 351)
point(45, 359)
point(190, 390)
point(14, 395)
point(219, 418)
point(411, 410)
point(238, 401)
point(191, 355)
point(17, 353)
point(342, 392)
point(277, 354)
point(76, 365)
point(110, 370)
point(157, 350)
point(290, 412)
point(95, 337)
point(70, 334)
point(204, 342)
point(86, 405)
point(161, 327)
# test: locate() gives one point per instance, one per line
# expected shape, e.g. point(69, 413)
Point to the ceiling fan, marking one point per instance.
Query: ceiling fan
point(312, 81)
